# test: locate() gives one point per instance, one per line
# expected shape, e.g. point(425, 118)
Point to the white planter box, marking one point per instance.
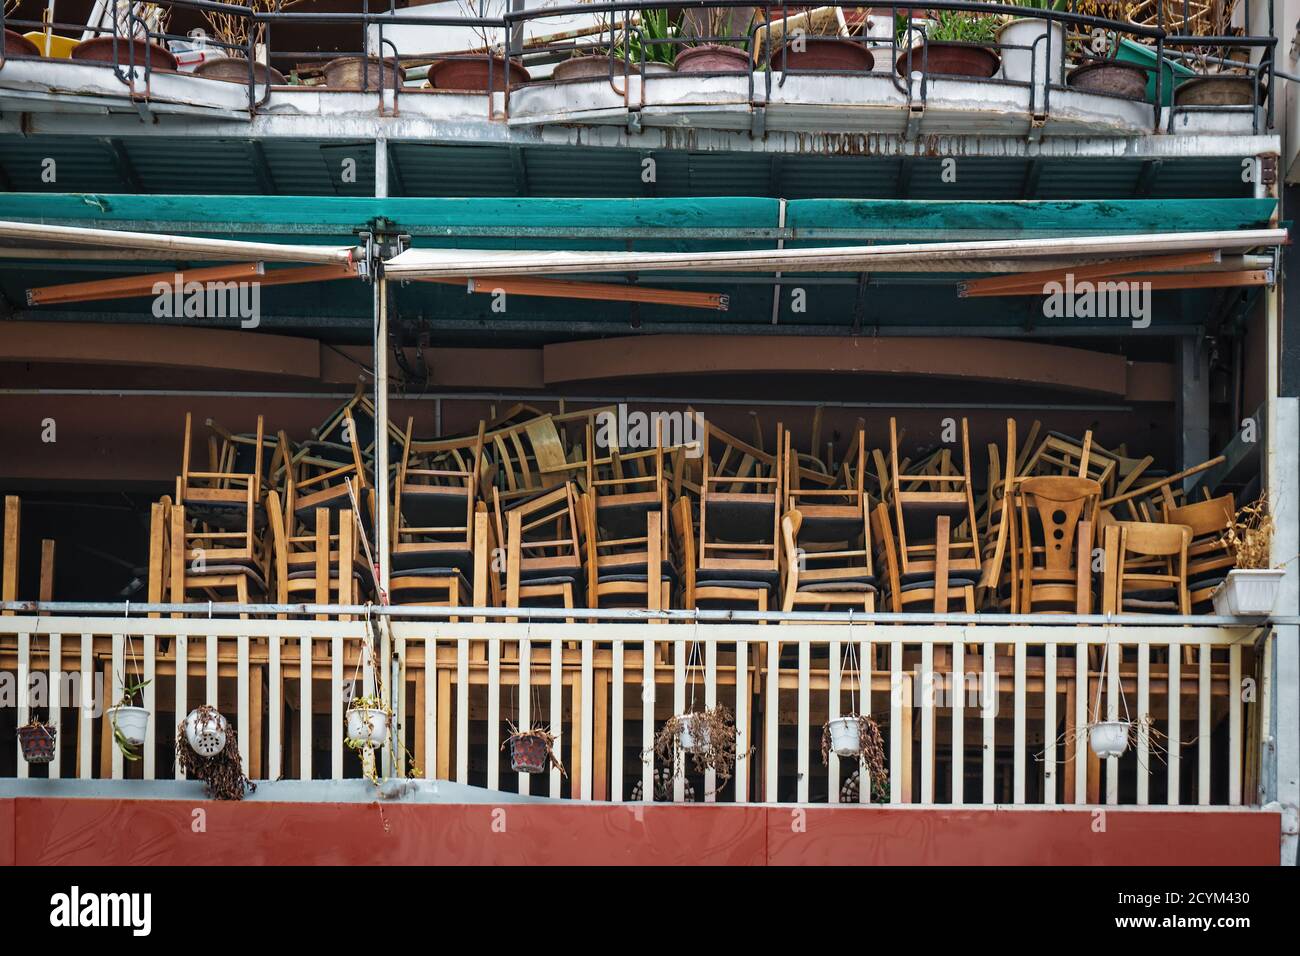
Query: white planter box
point(1248, 592)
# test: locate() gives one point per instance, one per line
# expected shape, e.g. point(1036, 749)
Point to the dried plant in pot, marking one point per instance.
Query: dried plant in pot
point(857, 736)
point(131, 45)
point(238, 31)
point(1251, 587)
point(484, 68)
point(707, 737)
point(38, 741)
point(220, 770)
point(532, 751)
point(956, 44)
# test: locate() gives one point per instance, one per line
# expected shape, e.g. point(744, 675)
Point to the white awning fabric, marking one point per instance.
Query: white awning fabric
point(971, 256)
point(73, 241)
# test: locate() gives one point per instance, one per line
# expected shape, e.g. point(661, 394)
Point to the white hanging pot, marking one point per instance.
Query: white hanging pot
point(1248, 592)
point(1109, 738)
point(205, 731)
point(691, 735)
point(131, 722)
point(846, 738)
point(369, 725)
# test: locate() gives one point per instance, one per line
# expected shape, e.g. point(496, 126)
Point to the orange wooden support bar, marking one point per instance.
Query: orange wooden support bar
point(1003, 284)
point(1156, 282)
point(130, 287)
point(601, 291)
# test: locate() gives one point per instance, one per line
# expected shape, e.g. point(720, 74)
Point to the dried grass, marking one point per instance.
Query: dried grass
point(871, 749)
point(714, 736)
point(228, 28)
point(1250, 536)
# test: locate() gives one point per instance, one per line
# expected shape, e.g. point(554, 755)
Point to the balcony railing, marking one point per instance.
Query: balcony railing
point(901, 43)
point(973, 710)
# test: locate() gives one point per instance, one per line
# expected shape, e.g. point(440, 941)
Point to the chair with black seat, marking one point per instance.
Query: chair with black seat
point(934, 517)
point(1146, 568)
point(740, 512)
point(216, 524)
point(539, 537)
point(1209, 558)
point(624, 516)
point(904, 595)
point(322, 482)
point(826, 580)
point(700, 588)
point(434, 504)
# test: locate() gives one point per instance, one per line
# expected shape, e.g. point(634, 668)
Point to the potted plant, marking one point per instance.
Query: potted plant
point(707, 736)
point(130, 45)
point(475, 70)
point(627, 51)
point(1111, 77)
point(856, 735)
point(1109, 738)
point(206, 731)
point(956, 44)
point(15, 43)
point(816, 40)
point(1033, 49)
point(531, 751)
point(38, 741)
point(231, 65)
point(222, 772)
point(703, 53)
point(1251, 587)
point(367, 719)
point(129, 721)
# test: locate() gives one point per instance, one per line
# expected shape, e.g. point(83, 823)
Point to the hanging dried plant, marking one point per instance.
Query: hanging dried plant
point(871, 749)
point(1250, 536)
point(222, 774)
point(235, 30)
point(542, 734)
point(712, 736)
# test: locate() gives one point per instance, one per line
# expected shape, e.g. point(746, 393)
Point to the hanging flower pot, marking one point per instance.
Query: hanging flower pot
point(205, 731)
point(1109, 738)
point(367, 723)
point(37, 741)
point(130, 724)
point(692, 733)
point(531, 751)
point(846, 740)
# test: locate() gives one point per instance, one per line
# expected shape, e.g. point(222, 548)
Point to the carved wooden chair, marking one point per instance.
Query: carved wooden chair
point(1056, 522)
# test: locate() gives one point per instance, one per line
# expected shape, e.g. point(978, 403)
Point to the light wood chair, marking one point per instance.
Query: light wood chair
point(1056, 521)
point(543, 559)
point(1146, 568)
point(847, 582)
point(998, 589)
point(700, 588)
point(904, 595)
point(925, 503)
point(1209, 559)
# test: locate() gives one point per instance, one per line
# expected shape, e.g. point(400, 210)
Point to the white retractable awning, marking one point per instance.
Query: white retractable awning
point(74, 241)
point(974, 256)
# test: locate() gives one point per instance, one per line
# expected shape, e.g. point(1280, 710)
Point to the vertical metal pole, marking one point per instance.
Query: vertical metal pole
point(382, 491)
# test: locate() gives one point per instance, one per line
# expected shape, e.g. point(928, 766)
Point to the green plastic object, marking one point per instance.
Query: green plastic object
point(1140, 55)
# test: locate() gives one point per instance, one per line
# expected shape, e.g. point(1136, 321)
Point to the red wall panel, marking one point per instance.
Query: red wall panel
point(136, 832)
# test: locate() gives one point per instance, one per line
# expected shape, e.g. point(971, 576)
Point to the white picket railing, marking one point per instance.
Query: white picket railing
point(577, 677)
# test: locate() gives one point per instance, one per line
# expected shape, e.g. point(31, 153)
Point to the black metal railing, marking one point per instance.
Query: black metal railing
point(635, 34)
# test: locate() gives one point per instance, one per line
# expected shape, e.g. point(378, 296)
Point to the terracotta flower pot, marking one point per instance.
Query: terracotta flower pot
point(472, 73)
point(712, 58)
point(949, 59)
point(1218, 91)
point(528, 753)
point(234, 70)
point(598, 67)
point(129, 52)
point(356, 73)
point(18, 45)
point(1108, 76)
point(824, 53)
